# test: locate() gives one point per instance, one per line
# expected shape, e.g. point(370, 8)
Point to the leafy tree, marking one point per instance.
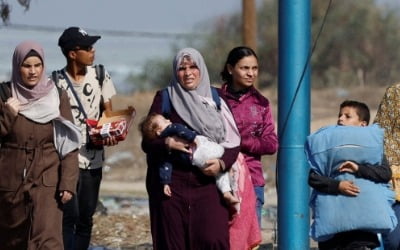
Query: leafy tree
point(358, 44)
point(156, 73)
point(5, 9)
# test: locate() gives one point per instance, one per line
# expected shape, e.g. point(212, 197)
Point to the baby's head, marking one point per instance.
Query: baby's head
point(152, 125)
point(353, 113)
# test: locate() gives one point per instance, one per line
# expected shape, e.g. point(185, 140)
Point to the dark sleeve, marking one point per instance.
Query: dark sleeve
point(323, 184)
point(376, 173)
point(7, 119)
point(69, 165)
point(179, 130)
point(165, 172)
point(229, 157)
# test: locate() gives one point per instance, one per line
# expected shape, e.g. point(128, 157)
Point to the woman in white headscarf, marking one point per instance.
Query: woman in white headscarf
point(195, 216)
point(38, 155)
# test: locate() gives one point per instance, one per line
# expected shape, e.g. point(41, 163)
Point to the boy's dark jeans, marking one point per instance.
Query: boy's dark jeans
point(392, 239)
point(351, 240)
point(78, 212)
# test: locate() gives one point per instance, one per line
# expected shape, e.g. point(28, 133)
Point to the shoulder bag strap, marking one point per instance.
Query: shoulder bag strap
point(165, 103)
point(216, 97)
point(74, 93)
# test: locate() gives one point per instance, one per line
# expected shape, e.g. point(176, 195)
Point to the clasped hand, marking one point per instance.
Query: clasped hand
point(110, 141)
point(348, 187)
point(177, 143)
point(13, 104)
point(212, 166)
point(65, 196)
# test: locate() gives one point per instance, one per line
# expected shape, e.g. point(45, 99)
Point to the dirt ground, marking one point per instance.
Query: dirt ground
point(125, 168)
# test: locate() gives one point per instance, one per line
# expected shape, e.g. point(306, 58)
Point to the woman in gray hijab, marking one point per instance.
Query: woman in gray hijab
point(195, 216)
point(38, 155)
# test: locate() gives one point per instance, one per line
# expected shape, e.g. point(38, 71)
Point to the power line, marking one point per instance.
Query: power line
point(121, 33)
point(300, 82)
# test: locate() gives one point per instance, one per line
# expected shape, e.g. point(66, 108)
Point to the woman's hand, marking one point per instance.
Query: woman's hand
point(110, 141)
point(14, 105)
point(167, 190)
point(348, 166)
point(65, 196)
point(213, 167)
point(348, 188)
point(177, 143)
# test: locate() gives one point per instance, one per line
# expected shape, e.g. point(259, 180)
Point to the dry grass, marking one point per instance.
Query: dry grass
point(121, 231)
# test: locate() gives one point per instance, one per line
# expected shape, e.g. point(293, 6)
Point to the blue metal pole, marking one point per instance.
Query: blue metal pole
point(293, 123)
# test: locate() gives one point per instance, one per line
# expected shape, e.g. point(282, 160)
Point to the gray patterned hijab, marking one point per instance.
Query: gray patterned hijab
point(196, 107)
point(42, 88)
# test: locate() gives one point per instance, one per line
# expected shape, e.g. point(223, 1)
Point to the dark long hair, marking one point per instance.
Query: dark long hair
point(235, 55)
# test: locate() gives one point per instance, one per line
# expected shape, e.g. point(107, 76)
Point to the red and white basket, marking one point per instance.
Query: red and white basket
point(115, 123)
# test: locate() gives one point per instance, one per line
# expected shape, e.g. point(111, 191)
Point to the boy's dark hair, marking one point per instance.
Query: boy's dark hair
point(148, 127)
point(361, 108)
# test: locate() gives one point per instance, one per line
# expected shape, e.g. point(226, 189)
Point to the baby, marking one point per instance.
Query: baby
point(201, 150)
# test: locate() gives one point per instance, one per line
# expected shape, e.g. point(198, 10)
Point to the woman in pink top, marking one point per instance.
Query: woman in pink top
point(252, 113)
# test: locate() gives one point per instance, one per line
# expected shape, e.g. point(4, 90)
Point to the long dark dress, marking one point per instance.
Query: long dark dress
point(32, 176)
point(195, 217)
